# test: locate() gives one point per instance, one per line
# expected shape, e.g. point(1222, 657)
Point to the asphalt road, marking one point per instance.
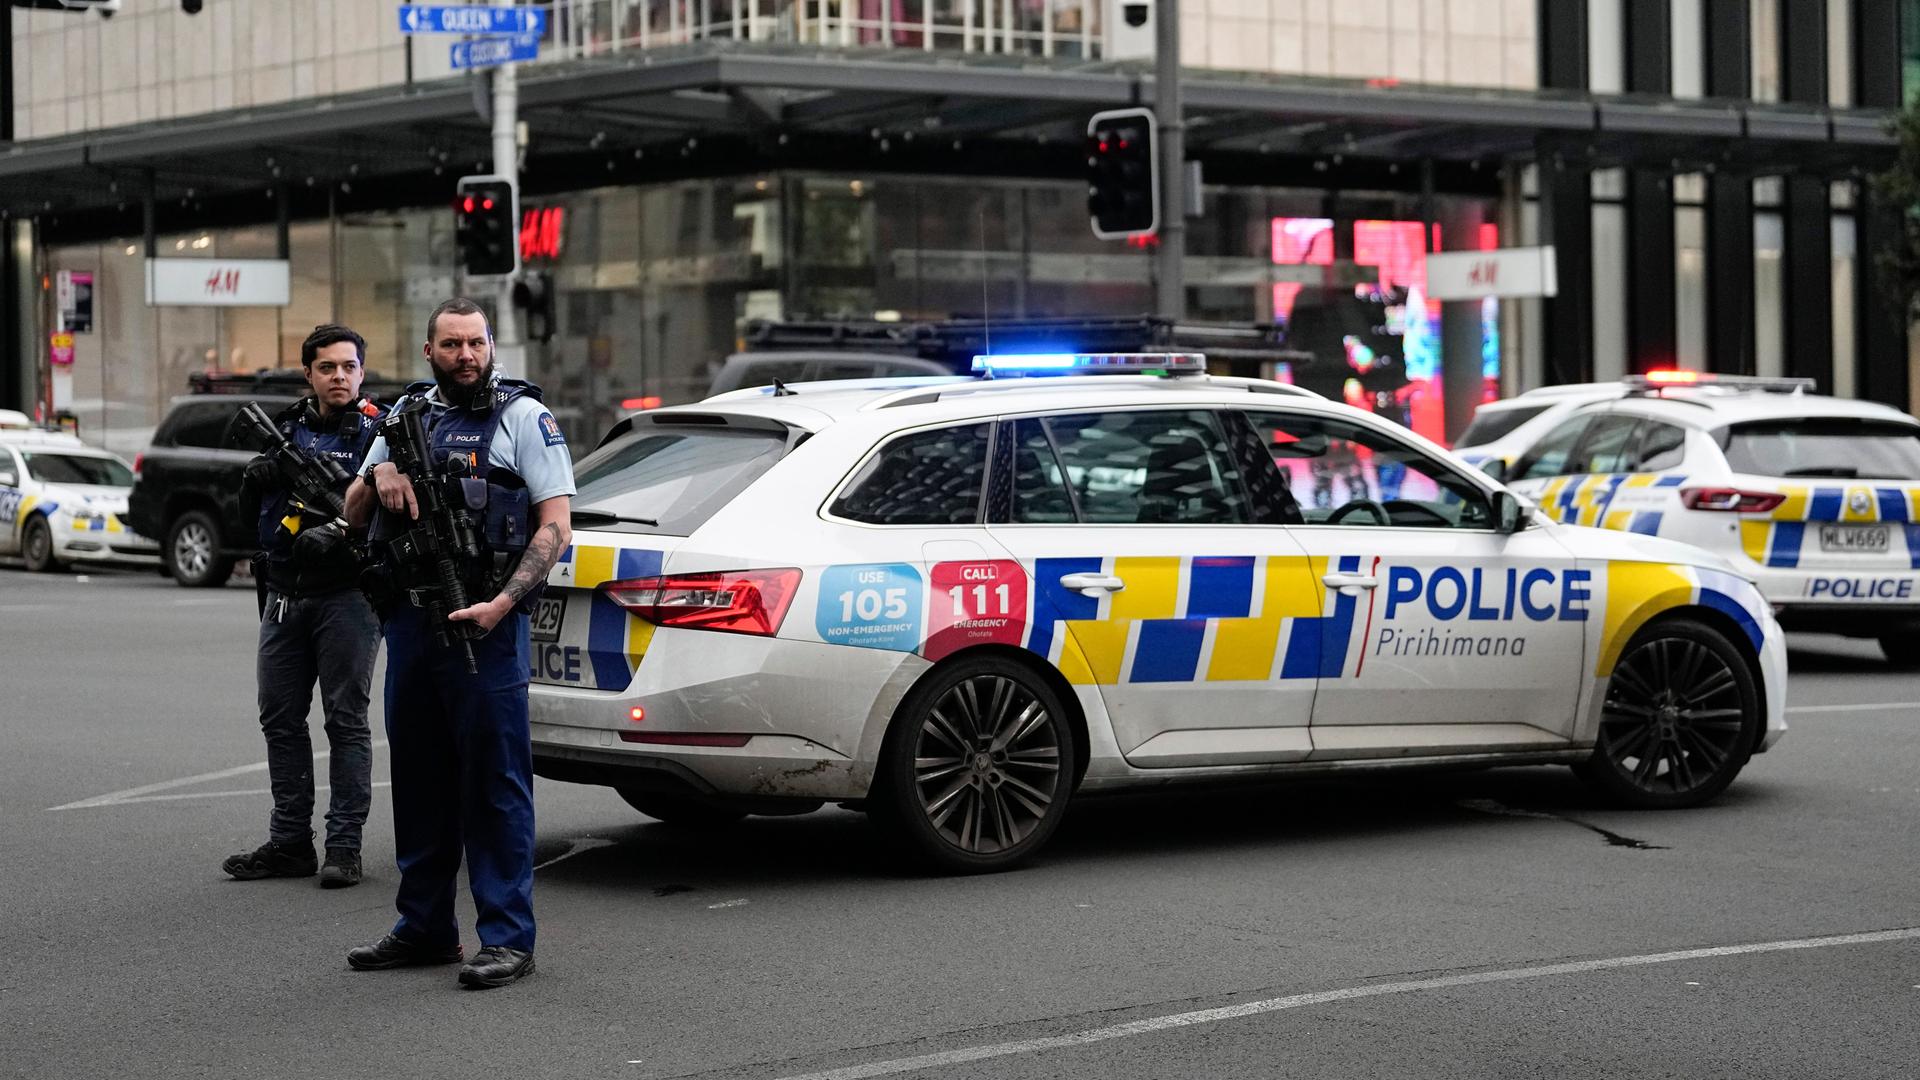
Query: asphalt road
point(1492, 924)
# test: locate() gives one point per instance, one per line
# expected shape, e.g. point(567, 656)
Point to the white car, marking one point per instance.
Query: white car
point(1817, 499)
point(1502, 430)
point(957, 602)
point(62, 501)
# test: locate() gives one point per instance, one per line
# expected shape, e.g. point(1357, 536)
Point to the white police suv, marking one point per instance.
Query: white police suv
point(62, 501)
point(1502, 430)
point(957, 602)
point(1815, 498)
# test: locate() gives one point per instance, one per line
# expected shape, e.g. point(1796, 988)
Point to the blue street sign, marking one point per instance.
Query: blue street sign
point(471, 19)
point(487, 52)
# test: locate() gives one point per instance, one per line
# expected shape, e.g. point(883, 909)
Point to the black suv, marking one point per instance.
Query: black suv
point(186, 486)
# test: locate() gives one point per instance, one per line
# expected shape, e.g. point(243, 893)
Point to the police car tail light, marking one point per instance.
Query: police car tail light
point(734, 601)
point(1732, 500)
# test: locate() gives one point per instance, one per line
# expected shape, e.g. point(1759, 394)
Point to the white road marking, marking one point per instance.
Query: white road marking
point(133, 794)
point(28, 607)
point(1256, 1008)
point(176, 797)
point(728, 904)
point(1866, 707)
point(585, 843)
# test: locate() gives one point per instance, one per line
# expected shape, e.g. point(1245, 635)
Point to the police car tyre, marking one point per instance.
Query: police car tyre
point(36, 545)
point(192, 551)
point(1681, 718)
point(977, 767)
point(689, 811)
point(1902, 651)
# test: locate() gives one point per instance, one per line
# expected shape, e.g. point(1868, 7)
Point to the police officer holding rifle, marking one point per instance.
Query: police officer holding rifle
point(314, 622)
point(470, 483)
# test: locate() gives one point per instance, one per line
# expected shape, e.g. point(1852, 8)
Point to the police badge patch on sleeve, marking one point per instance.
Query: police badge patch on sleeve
point(550, 429)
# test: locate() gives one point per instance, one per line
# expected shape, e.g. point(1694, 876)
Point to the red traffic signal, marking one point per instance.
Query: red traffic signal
point(1123, 174)
point(485, 227)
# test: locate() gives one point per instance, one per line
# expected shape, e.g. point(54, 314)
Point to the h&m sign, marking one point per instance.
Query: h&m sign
point(219, 282)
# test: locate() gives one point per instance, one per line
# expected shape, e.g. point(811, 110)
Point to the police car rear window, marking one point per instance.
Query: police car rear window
point(1831, 446)
point(83, 469)
point(676, 477)
point(1491, 424)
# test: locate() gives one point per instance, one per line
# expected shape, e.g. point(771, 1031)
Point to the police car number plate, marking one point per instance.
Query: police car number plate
point(1868, 538)
point(545, 625)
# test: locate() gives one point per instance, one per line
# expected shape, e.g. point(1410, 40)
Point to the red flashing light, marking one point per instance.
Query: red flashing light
point(733, 601)
point(1674, 377)
point(1731, 500)
point(637, 713)
point(636, 404)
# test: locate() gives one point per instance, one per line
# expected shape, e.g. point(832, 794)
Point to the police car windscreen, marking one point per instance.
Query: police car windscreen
point(1491, 424)
point(78, 469)
point(1830, 446)
point(678, 477)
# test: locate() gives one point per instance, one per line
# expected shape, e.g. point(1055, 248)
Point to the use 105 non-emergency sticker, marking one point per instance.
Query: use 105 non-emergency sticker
point(875, 605)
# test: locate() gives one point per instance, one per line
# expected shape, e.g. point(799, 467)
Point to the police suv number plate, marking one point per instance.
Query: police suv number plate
point(1867, 538)
point(545, 625)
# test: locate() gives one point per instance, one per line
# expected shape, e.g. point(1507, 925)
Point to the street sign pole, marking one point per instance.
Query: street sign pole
point(506, 162)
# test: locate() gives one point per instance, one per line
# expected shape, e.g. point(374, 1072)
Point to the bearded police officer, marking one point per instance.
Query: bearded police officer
point(314, 624)
point(462, 763)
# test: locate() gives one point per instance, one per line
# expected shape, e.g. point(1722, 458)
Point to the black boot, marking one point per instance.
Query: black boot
point(273, 859)
point(341, 870)
point(495, 965)
point(394, 951)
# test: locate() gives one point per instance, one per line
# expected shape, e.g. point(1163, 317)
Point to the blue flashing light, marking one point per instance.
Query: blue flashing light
point(1170, 363)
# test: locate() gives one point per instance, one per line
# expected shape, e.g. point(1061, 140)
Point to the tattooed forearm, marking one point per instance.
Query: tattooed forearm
point(542, 552)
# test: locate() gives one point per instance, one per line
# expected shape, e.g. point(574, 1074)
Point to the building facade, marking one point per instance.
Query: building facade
point(692, 165)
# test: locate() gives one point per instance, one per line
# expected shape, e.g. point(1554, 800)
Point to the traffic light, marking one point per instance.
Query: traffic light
point(534, 294)
point(1123, 174)
point(484, 226)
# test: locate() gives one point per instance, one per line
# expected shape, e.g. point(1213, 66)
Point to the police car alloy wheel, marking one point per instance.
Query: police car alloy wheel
point(1680, 718)
point(36, 545)
point(978, 766)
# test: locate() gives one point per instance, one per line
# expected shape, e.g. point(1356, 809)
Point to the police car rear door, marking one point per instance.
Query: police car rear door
point(1161, 578)
point(1446, 636)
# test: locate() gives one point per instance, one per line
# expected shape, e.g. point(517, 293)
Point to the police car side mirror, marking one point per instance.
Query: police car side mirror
point(1508, 515)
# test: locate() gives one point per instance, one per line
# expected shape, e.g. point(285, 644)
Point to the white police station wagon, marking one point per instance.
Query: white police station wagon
point(62, 501)
point(1815, 498)
point(958, 602)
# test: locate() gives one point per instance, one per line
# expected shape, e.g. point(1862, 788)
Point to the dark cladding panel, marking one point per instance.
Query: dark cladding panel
point(1649, 41)
point(1729, 44)
point(1730, 273)
point(1882, 340)
point(1876, 53)
point(1650, 272)
point(1807, 281)
point(1803, 50)
point(1563, 44)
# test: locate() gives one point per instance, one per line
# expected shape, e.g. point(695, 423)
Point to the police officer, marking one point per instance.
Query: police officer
point(314, 624)
point(462, 762)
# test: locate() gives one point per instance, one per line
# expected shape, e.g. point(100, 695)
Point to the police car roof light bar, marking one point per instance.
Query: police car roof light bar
point(1166, 363)
point(1681, 378)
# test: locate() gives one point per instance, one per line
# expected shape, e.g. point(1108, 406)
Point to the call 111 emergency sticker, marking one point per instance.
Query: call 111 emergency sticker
point(875, 606)
point(976, 603)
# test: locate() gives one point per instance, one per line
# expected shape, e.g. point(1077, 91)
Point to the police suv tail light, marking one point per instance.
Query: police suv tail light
point(734, 601)
point(1732, 500)
point(139, 463)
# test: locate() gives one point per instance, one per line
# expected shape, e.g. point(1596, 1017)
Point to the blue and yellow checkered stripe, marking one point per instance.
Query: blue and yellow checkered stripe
point(1776, 538)
point(616, 641)
point(1207, 618)
point(1588, 500)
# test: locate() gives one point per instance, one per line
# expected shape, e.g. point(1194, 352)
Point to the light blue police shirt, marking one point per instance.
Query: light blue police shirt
point(529, 444)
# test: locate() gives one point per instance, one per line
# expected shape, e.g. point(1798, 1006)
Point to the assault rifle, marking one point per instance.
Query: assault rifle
point(315, 482)
point(438, 552)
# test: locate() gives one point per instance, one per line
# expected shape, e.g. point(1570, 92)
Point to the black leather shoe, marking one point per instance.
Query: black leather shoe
point(495, 965)
point(273, 859)
point(394, 952)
